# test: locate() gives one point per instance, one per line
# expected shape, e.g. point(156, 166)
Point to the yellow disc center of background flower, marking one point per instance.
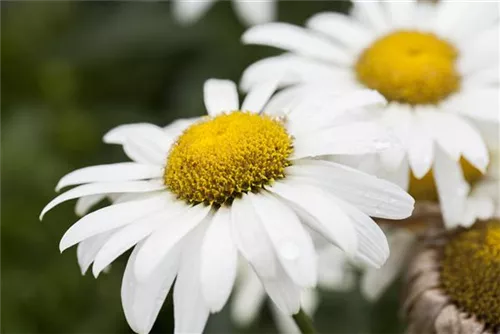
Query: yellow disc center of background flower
point(218, 159)
point(470, 272)
point(425, 188)
point(410, 67)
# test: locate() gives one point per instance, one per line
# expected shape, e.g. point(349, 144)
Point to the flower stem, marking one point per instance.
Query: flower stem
point(304, 322)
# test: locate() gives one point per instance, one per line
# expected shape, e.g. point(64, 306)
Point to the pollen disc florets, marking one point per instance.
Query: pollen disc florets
point(470, 271)
point(410, 67)
point(218, 159)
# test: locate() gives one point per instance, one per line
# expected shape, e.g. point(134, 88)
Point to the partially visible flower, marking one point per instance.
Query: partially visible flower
point(437, 65)
point(241, 180)
point(452, 282)
point(483, 203)
point(334, 273)
point(250, 12)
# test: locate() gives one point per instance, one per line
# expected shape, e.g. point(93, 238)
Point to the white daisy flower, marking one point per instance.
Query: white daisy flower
point(437, 65)
point(249, 12)
point(334, 273)
point(237, 181)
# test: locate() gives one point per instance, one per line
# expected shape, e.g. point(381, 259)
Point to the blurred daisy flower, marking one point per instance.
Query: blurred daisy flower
point(482, 204)
point(250, 12)
point(437, 65)
point(453, 282)
point(241, 180)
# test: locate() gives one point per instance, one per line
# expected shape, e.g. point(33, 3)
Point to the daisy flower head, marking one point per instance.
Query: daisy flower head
point(437, 65)
point(242, 180)
point(452, 281)
point(249, 12)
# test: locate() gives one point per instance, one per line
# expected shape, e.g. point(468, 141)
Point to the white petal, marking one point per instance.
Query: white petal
point(375, 197)
point(190, 311)
point(256, 12)
point(296, 39)
point(291, 69)
point(220, 96)
point(119, 134)
point(485, 77)
point(188, 12)
point(456, 137)
point(111, 217)
point(218, 261)
point(150, 148)
point(376, 281)
point(258, 96)
point(330, 108)
point(88, 249)
point(480, 52)
point(319, 211)
point(480, 104)
point(463, 21)
point(335, 272)
point(127, 237)
point(401, 12)
point(372, 243)
point(398, 117)
point(177, 127)
point(164, 239)
point(142, 301)
point(420, 149)
point(351, 139)
point(103, 188)
point(251, 237)
point(125, 171)
point(122, 198)
point(342, 28)
point(452, 188)
point(424, 16)
point(248, 298)
point(477, 208)
point(392, 158)
point(449, 14)
point(293, 245)
point(84, 204)
point(371, 13)
point(142, 142)
point(400, 176)
point(283, 291)
point(283, 102)
point(284, 322)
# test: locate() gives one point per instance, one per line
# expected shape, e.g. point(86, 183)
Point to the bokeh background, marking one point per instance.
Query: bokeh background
point(70, 72)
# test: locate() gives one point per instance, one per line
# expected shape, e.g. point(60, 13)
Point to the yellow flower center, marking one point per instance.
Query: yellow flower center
point(218, 159)
point(425, 188)
point(470, 272)
point(410, 67)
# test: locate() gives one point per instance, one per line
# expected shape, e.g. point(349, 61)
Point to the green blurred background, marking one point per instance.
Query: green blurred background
point(70, 72)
